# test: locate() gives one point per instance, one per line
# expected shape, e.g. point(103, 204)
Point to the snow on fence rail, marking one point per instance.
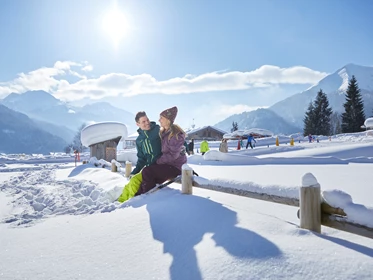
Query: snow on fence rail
point(311, 216)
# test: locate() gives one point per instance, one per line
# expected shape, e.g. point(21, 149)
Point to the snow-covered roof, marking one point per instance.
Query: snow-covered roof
point(368, 123)
point(103, 131)
point(242, 132)
point(204, 127)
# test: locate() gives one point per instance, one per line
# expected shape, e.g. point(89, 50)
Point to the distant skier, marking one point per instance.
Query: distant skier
point(250, 138)
point(204, 147)
point(191, 147)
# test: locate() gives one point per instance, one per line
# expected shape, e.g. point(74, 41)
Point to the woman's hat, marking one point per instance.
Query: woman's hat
point(170, 114)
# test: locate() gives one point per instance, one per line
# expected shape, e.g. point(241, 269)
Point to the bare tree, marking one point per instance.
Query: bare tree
point(77, 142)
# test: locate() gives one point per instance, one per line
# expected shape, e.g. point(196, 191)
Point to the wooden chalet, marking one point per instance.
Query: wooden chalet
point(209, 133)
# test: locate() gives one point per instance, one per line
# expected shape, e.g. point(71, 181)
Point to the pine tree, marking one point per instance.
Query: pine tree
point(234, 126)
point(353, 117)
point(321, 114)
point(309, 121)
point(317, 119)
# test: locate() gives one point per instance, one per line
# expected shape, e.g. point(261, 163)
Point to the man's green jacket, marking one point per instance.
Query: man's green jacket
point(148, 145)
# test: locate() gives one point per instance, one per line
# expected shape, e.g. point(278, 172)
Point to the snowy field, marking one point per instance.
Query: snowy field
point(58, 221)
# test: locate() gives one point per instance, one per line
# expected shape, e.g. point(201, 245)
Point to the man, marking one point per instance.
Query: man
point(204, 146)
point(250, 138)
point(148, 145)
point(191, 147)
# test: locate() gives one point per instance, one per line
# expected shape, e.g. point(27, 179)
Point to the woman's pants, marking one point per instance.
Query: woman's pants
point(156, 174)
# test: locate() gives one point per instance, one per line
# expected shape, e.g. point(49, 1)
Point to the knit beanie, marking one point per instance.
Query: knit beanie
point(170, 114)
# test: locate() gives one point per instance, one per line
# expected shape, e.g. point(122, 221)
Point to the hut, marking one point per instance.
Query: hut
point(103, 138)
point(106, 150)
point(209, 133)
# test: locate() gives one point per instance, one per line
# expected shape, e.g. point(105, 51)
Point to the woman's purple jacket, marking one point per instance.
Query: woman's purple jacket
point(173, 150)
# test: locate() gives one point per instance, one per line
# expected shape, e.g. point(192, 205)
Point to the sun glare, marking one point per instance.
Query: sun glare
point(115, 25)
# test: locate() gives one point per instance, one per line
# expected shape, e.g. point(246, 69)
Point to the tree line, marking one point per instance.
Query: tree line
point(321, 120)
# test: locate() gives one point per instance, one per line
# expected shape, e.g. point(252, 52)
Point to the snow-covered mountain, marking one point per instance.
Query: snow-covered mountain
point(19, 134)
point(334, 85)
point(261, 118)
point(287, 115)
point(42, 106)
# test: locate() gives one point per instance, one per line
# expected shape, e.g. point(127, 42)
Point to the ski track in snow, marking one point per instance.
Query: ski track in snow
point(37, 195)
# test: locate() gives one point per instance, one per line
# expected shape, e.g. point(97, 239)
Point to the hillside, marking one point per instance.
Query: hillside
point(19, 134)
point(261, 118)
point(42, 106)
point(334, 85)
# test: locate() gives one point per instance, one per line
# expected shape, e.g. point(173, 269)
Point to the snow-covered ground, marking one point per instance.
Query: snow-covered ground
point(59, 221)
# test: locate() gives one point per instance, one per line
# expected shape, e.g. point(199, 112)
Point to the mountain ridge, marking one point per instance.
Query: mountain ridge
point(19, 134)
point(292, 110)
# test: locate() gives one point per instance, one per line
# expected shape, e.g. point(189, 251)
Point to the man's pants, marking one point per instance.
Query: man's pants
point(249, 143)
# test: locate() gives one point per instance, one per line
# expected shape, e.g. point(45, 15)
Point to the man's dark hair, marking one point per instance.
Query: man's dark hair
point(139, 115)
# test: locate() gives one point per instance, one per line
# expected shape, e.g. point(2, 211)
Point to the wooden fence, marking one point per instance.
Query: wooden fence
point(313, 211)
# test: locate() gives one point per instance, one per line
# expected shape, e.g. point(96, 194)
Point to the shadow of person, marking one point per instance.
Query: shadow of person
point(181, 221)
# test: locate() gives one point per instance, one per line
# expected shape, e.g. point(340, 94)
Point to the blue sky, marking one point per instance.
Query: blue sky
point(234, 55)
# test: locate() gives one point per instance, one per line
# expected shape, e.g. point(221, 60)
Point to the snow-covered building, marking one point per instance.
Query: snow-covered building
point(206, 132)
point(130, 141)
point(103, 138)
point(243, 133)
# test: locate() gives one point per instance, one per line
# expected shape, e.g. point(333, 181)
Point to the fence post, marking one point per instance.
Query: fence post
point(128, 168)
point(310, 203)
point(186, 179)
point(114, 167)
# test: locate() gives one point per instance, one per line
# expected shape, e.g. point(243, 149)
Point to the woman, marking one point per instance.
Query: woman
point(223, 146)
point(173, 156)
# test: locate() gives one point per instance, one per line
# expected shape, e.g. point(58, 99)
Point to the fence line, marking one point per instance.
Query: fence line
point(330, 216)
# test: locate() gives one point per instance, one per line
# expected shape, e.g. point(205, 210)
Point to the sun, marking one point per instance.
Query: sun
point(115, 25)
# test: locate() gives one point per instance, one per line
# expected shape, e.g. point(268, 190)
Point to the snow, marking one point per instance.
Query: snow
point(368, 123)
point(103, 131)
point(308, 180)
point(59, 221)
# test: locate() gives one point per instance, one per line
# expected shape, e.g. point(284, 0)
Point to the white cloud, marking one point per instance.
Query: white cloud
point(115, 84)
point(87, 68)
point(65, 65)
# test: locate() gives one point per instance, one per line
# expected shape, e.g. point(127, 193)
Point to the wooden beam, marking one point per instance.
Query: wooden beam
point(340, 223)
point(261, 196)
point(327, 209)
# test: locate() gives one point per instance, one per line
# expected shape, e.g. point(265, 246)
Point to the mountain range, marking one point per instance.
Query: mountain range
point(42, 112)
point(287, 115)
point(58, 121)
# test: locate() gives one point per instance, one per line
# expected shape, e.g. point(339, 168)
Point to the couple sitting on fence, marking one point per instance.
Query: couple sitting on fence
point(160, 153)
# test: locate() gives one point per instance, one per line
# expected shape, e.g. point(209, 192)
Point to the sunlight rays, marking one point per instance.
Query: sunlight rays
point(115, 25)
